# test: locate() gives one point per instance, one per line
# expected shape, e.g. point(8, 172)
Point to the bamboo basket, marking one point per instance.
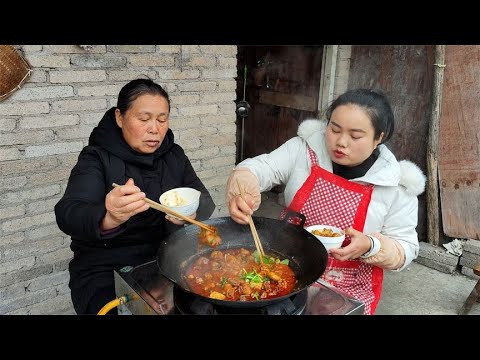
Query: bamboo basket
point(14, 70)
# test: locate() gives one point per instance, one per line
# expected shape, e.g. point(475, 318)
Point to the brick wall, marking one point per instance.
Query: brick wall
point(46, 123)
point(342, 70)
point(335, 73)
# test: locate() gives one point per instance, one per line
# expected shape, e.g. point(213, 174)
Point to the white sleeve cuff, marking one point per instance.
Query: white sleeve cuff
point(374, 249)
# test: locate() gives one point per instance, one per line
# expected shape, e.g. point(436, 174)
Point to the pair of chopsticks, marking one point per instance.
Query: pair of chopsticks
point(160, 207)
point(256, 238)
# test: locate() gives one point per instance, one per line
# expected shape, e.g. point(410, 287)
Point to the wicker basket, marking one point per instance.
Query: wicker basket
point(14, 70)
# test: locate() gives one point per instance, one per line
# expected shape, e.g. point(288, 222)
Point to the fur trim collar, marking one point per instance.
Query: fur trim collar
point(310, 126)
point(412, 177)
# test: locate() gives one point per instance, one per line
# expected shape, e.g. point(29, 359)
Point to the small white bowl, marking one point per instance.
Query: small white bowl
point(183, 200)
point(328, 242)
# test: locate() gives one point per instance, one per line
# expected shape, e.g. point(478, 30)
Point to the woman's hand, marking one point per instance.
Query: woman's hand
point(239, 209)
point(122, 203)
point(359, 245)
point(176, 221)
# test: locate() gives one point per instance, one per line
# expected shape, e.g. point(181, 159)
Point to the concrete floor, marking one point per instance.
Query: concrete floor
point(420, 290)
point(417, 290)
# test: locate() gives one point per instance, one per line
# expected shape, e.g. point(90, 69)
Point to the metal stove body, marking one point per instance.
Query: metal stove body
point(154, 294)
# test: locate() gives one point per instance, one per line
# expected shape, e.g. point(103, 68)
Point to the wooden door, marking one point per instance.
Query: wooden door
point(283, 85)
point(405, 74)
point(459, 140)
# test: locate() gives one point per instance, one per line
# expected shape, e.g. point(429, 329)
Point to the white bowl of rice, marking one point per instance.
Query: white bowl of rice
point(183, 200)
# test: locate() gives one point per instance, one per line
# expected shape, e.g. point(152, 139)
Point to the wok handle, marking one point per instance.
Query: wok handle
point(290, 214)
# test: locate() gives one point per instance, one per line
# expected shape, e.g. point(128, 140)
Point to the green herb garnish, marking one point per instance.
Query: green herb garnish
point(269, 260)
point(251, 276)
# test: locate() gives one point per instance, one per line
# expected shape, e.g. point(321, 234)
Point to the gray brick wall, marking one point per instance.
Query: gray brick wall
point(45, 124)
point(342, 69)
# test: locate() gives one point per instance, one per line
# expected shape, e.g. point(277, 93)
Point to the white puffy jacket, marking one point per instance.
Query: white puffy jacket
point(393, 209)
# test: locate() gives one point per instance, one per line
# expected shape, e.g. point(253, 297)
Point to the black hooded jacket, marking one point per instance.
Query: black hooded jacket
point(108, 158)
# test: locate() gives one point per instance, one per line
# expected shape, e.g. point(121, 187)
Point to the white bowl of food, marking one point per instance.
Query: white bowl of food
point(183, 200)
point(330, 236)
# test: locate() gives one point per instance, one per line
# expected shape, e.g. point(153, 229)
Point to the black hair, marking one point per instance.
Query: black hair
point(376, 106)
point(135, 88)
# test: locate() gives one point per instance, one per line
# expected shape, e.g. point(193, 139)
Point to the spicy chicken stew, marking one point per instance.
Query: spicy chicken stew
point(238, 275)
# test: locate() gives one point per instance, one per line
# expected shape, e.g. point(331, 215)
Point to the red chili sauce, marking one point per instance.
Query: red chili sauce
point(235, 275)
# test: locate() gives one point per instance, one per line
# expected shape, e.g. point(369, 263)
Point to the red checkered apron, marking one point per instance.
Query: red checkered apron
point(326, 198)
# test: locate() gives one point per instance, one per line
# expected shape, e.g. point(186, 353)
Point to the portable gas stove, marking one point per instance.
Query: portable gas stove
point(153, 294)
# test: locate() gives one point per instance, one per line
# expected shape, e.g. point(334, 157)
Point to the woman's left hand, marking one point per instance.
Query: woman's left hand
point(359, 245)
point(179, 221)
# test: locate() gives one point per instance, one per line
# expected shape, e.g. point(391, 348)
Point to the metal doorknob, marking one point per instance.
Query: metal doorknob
point(243, 108)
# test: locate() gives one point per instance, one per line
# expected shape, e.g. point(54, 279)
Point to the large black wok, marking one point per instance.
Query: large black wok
point(307, 255)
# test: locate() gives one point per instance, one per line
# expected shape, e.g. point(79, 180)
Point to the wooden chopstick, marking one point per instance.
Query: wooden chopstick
point(160, 207)
point(256, 238)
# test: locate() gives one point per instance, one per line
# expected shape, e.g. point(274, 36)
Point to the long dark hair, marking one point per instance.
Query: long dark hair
point(135, 88)
point(375, 104)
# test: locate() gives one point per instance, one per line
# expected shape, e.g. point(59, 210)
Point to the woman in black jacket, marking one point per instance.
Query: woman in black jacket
point(112, 228)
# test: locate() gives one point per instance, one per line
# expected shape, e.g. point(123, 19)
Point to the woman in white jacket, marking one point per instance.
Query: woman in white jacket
point(338, 172)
